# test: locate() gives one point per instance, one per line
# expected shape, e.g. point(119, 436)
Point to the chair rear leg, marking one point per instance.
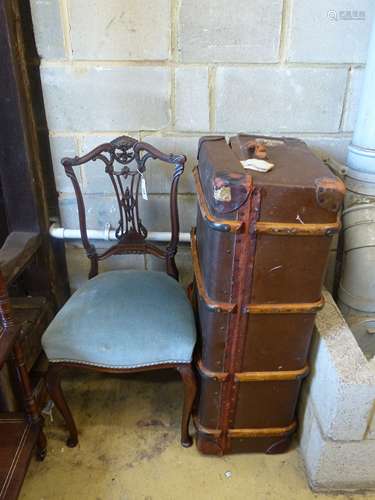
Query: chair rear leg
point(57, 396)
point(190, 390)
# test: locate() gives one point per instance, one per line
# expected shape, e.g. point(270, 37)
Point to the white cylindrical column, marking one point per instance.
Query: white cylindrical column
point(364, 134)
point(357, 284)
point(361, 156)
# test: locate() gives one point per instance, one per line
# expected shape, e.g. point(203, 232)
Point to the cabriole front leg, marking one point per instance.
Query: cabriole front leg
point(54, 388)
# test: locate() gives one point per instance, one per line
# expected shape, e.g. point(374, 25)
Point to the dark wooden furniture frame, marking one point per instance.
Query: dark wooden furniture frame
point(28, 197)
point(26, 173)
point(125, 162)
point(20, 432)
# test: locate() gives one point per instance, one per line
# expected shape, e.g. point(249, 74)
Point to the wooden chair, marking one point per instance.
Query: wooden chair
point(20, 432)
point(125, 321)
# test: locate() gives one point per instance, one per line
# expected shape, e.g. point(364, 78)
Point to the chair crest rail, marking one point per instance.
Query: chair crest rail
point(125, 161)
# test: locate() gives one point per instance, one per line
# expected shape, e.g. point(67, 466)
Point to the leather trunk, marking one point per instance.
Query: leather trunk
point(260, 252)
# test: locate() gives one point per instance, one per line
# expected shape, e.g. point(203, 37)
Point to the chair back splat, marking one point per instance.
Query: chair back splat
point(125, 161)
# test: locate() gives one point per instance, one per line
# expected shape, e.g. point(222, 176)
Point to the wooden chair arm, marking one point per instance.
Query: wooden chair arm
point(16, 253)
point(8, 331)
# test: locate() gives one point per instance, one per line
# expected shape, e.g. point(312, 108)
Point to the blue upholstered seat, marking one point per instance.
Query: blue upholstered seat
point(124, 319)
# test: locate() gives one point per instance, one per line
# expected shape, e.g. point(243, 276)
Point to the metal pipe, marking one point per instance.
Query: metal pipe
point(107, 234)
point(357, 286)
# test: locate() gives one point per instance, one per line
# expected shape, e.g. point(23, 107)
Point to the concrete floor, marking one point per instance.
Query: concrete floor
point(129, 450)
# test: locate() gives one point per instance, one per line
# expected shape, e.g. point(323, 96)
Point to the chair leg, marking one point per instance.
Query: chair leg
point(41, 446)
point(57, 396)
point(190, 389)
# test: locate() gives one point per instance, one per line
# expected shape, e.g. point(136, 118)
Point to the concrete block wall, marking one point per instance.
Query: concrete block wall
point(169, 71)
point(337, 439)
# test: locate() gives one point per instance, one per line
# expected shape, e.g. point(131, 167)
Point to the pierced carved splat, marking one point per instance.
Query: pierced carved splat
point(125, 161)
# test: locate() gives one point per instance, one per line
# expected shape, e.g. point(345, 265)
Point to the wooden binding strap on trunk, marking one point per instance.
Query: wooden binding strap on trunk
point(298, 229)
point(272, 228)
point(224, 307)
point(254, 376)
point(248, 432)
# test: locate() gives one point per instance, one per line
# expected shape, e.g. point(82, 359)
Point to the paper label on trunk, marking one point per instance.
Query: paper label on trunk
point(257, 165)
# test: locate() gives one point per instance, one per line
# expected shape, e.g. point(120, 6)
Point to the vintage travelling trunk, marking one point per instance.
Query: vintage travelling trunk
point(260, 251)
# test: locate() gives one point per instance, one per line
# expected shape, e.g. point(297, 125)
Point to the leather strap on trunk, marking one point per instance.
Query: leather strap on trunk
point(243, 264)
